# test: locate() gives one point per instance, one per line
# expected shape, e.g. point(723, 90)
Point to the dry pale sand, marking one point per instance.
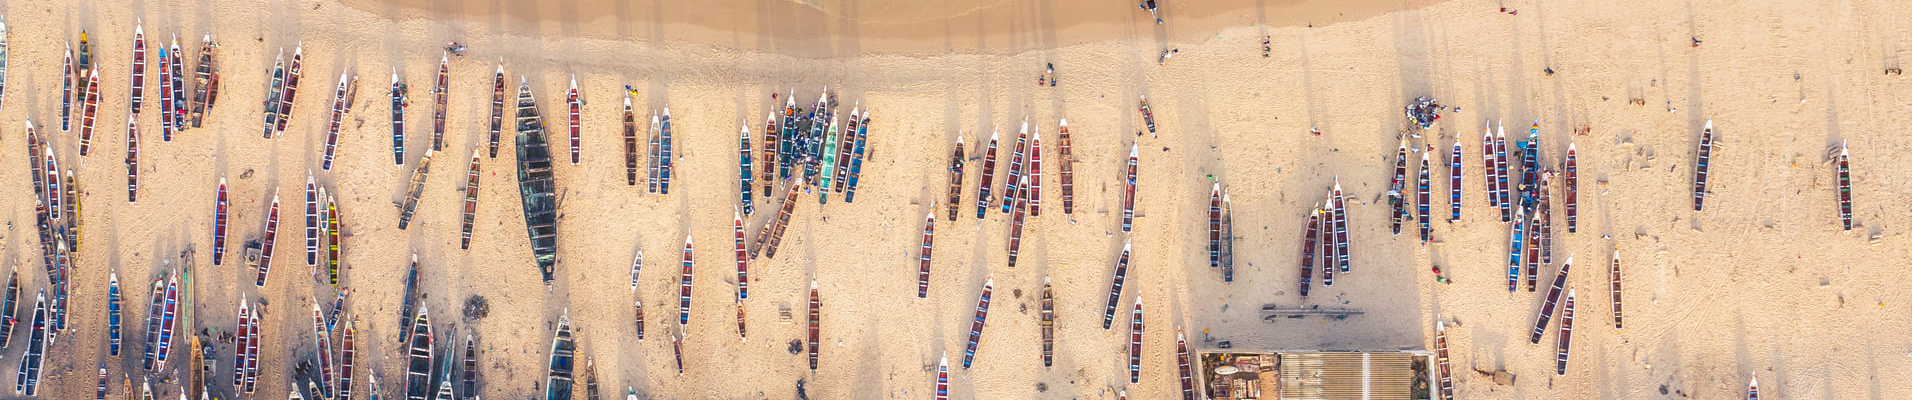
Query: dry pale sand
point(1713, 298)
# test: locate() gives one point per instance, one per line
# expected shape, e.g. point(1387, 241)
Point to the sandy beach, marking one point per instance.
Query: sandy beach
point(1763, 283)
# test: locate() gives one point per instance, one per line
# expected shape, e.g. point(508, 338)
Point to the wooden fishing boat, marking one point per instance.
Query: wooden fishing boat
point(976, 324)
point(100, 393)
point(498, 106)
point(1328, 248)
point(312, 221)
point(1016, 224)
point(1148, 117)
point(1566, 337)
point(1011, 191)
point(1752, 389)
point(563, 350)
point(743, 171)
point(70, 79)
point(411, 295)
point(372, 394)
point(471, 202)
point(444, 383)
point(252, 350)
point(418, 371)
point(1615, 288)
point(168, 321)
point(664, 164)
point(165, 96)
point(829, 161)
point(989, 174)
point(742, 332)
point(273, 93)
point(785, 153)
point(656, 153)
point(1228, 240)
point(1572, 184)
point(637, 265)
point(1529, 162)
point(1128, 191)
point(139, 66)
point(1546, 217)
point(923, 256)
point(291, 90)
point(630, 143)
point(1340, 229)
point(1514, 251)
point(336, 121)
point(3, 58)
point(775, 230)
point(942, 379)
point(590, 379)
point(856, 157)
point(1500, 175)
point(956, 178)
point(1422, 198)
point(323, 339)
point(244, 338)
point(816, 323)
point(1215, 225)
point(132, 165)
point(769, 158)
point(11, 308)
point(272, 232)
point(398, 119)
point(1396, 198)
point(677, 350)
point(441, 94)
point(1454, 182)
point(845, 145)
point(338, 307)
point(1309, 243)
point(640, 320)
point(577, 106)
point(72, 200)
point(1533, 251)
point(89, 111)
point(1547, 308)
point(1135, 342)
point(471, 366)
point(1048, 324)
point(177, 114)
point(113, 339)
point(1446, 388)
point(332, 239)
point(1115, 286)
point(684, 284)
point(810, 151)
point(536, 185)
point(1181, 362)
point(743, 259)
point(1845, 189)
point(30, 362)
point(202, 83)
point(1034, 184)
point(1489, 168)
point(348, 355)
point(1067, 169)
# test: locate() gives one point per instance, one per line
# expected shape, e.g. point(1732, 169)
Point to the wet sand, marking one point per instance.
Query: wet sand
point(1714, 298)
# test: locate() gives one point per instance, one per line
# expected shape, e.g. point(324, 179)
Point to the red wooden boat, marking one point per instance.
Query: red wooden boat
point(1135, 342)
point(89, 111)
point(976, 324)
point(1446, 391)
point(942, 379)
point(272, 232)
point(441, 98)
point(165, 96)
point(348, 354)
point(1128, 191)
point(1328, 247)
point(177, 114)
point(70, 80)
point(1340, 228)
point(1615, 288)
point(1308, 246)
point(324, 339)
point(1397, 196)
point(1535, 225)
point(640, 321)
point(291, 90)
point(1048, 324)
point(1547, 308)
point(1115, 286)
point(219, 224)
point(1501, 174)
point(139, 66)
point(1181, 362)
point(923, 256)
point(1035, 174)
point(252, 350)
point(1845, 189)
point(203, 82)
point(1215, 225)
point(1454, 182)
point(989, 174)
point(1016, 224)
point(844, 146)
point(769, 158)
point(1423, 200)
point(1752, 389)
point(683, 292)
point(311, 221)
point(132, 165)
point(743, 261)
point(816, 322)
point(775, 230)
point(168, 322)
point(630, 144)
point(1566, 337)
point(1572, 183)
point(244, 337)
point(1067, 169)
point(498, 106)
point(577, 107)
point(471, 202)
point(1489, 169)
